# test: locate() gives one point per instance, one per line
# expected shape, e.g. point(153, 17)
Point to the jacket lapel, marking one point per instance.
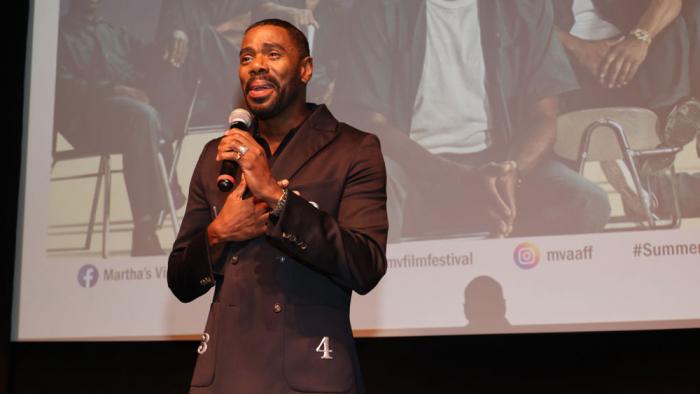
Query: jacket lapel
point(317, 132)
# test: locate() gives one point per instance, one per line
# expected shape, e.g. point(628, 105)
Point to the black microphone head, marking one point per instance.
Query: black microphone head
point(240, 118)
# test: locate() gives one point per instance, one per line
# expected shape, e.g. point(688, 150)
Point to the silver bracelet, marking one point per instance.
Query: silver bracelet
point(281, 203)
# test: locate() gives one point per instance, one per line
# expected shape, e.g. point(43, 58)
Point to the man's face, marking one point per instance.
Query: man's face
point(271, 71)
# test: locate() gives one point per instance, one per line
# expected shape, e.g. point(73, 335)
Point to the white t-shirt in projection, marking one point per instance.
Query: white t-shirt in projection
point(451, 108)
point(588, 24)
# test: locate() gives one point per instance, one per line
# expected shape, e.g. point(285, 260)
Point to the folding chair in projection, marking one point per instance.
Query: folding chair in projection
point(618, 133)
point(104, 172)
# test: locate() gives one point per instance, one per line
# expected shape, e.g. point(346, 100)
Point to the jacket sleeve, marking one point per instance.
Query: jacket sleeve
point(191, 262)
point(548, 71)
point(349, 249)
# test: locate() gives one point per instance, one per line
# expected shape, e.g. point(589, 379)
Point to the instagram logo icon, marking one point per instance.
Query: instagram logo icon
point(526, 255)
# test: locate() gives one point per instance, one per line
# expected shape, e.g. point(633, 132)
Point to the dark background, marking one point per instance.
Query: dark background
point(609, 362)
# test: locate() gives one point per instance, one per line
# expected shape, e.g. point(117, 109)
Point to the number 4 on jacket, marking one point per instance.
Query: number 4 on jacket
point(325, 348)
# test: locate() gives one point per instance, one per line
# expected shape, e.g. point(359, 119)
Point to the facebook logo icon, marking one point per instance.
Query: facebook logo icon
point(87, 276)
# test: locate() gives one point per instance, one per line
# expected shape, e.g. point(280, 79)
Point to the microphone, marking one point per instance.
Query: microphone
point(238, 119)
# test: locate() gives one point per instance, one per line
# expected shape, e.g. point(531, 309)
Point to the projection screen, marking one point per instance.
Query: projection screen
point(607, 243)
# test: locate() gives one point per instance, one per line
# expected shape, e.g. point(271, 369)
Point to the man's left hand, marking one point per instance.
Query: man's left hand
point(500, 181)
point(507, 184)
point(621, 63)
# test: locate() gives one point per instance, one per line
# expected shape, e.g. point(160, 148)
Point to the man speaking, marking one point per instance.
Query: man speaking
point(304, 226)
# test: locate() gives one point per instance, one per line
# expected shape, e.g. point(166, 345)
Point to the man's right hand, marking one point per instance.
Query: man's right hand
point(590, 53)
point(240, 219)
point(499, 181)
point(179, 49)
point(497, 184)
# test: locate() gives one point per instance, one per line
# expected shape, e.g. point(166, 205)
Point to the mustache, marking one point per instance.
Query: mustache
point(271, 80)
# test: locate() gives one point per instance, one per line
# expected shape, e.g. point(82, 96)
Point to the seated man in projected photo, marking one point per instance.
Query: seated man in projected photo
point(636, 53)
point(463, 95)
point(201, 41)
point(104, 104)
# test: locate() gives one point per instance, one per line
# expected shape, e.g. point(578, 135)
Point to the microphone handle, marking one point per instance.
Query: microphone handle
point(225, 182)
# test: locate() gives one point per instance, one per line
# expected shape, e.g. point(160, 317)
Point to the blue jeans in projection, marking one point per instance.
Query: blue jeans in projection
point(553, 199)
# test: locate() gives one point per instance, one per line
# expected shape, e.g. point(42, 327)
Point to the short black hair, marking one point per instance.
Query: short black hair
point(298, 37)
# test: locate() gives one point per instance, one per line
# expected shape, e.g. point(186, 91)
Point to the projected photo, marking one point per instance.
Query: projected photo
point(542, 156)
point(129, 91)
point(524, 129)
point(444, 121)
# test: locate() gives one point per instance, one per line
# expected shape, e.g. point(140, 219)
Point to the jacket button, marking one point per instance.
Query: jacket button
point(277, 308)
point(234, 259)
point(205, 281)
point(281, 259)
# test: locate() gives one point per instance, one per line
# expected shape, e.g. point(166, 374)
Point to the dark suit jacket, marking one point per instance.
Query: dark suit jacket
point(279, 295)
